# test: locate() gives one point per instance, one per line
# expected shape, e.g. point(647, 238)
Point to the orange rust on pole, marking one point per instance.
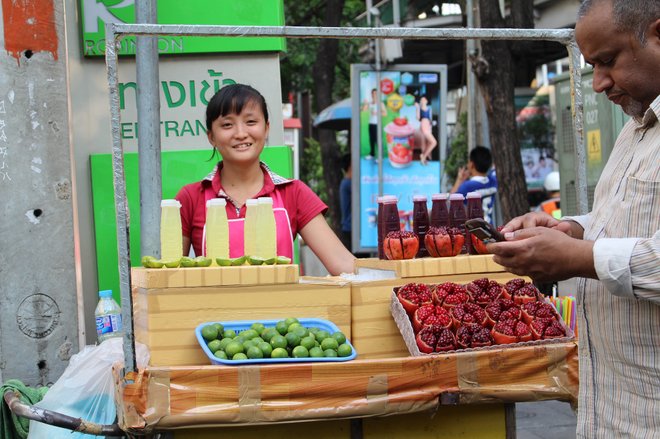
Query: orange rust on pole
point(29, 25)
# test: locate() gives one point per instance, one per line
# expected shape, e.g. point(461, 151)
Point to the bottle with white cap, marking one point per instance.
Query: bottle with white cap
point(217, 229)
point(108, 317)
point(171, 240)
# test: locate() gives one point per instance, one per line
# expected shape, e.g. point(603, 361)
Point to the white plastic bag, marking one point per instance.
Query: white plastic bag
point(86, 389)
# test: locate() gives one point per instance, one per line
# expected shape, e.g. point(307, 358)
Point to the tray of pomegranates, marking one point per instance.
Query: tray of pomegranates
point(482, 314)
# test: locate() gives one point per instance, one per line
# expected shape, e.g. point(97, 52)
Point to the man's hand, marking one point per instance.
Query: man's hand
point(544, 254)
point(542, 219)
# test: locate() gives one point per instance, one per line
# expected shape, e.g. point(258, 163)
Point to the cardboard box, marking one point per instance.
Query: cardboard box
point(165, 318)
point(461, 264)
point(374, 332)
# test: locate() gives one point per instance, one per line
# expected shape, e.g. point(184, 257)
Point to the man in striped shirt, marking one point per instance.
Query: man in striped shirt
point(615, 249)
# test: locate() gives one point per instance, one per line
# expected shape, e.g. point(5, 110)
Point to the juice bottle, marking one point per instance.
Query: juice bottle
point(171, 236)
point(474, 210)
point(379, 225)
point(266, 232)
point(420, 222)
point(390, 217)
point(108, 317)
point(457, 214)
point(250, 228)
point(217, 229)
point(439, 211)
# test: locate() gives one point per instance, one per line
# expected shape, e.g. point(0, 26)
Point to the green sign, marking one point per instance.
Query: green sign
point(95, 13)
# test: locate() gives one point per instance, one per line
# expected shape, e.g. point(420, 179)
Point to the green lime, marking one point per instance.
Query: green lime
point(279, 353)
point(329, 343)
point(187, 262)
point(249, 334)
point(233, 348)
point(254, 352)
point(308, 342)
point(293, 326)
point(171, 263)
point(321, 335)
point(214, 345)
point(220, 354)
point(240, 339)
point(223, 262)
point(300, 352)
point(269, 333)
point(330, 353)
point(146, 260)
point(239, 356)
point(255, 260)
point(201, 261)
point(282, 260)
point(290, 320)
point(221, 328)
point(278, 341)
point(266, 349)
point(292, 339)
point(282, 327)
point(209, 332)
point(316, 352)
point(313, 330)
point(339, 336)
point(301, 332)
point(249, 343)
point(154, 263)
point(224, 342)
point(229, 333)
point(258, 326)
point(258, 339)
point(238, 261)
point(270, 261)
point(344, 350)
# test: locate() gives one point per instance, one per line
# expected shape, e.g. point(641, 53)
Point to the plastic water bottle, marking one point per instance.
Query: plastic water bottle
point(217, 229)
point(266, 229)
point(171, 246)
point(250, 227)
point(108, 317)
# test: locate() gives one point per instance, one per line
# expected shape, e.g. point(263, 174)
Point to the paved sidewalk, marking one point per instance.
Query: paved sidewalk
point(545, 420)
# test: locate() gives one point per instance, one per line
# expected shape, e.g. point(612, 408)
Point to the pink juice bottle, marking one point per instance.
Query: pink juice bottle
point(439, 212)
point(389, 218)
point(420, 222)
point(474, 210)
point(457, 215)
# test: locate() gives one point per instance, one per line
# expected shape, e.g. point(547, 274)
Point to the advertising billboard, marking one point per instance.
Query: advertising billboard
point(409, 105)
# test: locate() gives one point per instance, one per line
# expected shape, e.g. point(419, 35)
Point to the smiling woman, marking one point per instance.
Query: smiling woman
point(237, 127)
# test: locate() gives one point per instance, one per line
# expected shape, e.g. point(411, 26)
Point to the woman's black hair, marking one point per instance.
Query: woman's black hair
point(231, 99)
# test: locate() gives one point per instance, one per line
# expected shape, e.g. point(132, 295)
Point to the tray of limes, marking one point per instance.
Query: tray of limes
point(289, 340)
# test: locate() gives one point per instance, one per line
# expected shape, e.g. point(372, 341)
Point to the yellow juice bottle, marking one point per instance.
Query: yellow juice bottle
point(217, 229)
point(266, 234)
point(171, 240)
point(250, 228)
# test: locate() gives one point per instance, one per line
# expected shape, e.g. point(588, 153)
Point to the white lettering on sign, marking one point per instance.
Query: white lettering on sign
point(95, 11)
point(128, 46)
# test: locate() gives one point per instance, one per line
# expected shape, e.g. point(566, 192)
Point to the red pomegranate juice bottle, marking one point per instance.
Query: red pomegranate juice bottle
point(420, 222)
point(457, 216)
point(379, 225)
point(474, 210)
point(390, 220)
point(439, 212)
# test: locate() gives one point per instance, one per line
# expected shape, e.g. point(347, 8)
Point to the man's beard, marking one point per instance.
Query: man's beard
point(632, 107)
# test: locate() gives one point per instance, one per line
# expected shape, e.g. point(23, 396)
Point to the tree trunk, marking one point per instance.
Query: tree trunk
point(495, 74)
point(324, 78)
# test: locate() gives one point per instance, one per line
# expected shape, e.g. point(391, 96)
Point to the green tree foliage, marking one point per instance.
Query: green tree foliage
point(458, 154)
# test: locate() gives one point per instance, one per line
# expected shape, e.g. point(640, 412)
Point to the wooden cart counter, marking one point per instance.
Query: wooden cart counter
point(161, 398)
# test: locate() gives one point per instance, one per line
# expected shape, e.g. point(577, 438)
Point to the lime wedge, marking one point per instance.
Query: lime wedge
point(223, 262)
point(238, 261)
point(187, 262)
point(154, 263)
point(171, 263)
point(270, 261)
point(282, 260)
point(146, 260)
point(255, 260)
point(201, 261)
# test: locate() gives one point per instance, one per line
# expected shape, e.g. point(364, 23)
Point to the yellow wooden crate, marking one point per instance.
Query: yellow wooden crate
point(214, 276)
point(165, 318)
point(462, 264)
point(374, 333)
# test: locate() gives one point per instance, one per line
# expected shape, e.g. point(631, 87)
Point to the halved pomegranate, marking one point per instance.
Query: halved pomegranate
point(478, 245)
point(511, 331)
point(520, 291)
point(502, 309)
point(435, 338)
point(533, 310)
point(450, 294)
point(543, 329)
point(444, 241)
point(428, 315)
point(413, 295)
point(464, 313)
point(473, 335)
point(484, 291)
point(400, 245)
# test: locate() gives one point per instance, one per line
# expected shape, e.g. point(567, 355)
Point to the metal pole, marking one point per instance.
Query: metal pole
point(577, 109)
point(148, 116)
point(473, 103)
point(121, 205)
point(379, 118)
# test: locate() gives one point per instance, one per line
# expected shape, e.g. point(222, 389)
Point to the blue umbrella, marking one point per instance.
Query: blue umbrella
point(335, 117)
